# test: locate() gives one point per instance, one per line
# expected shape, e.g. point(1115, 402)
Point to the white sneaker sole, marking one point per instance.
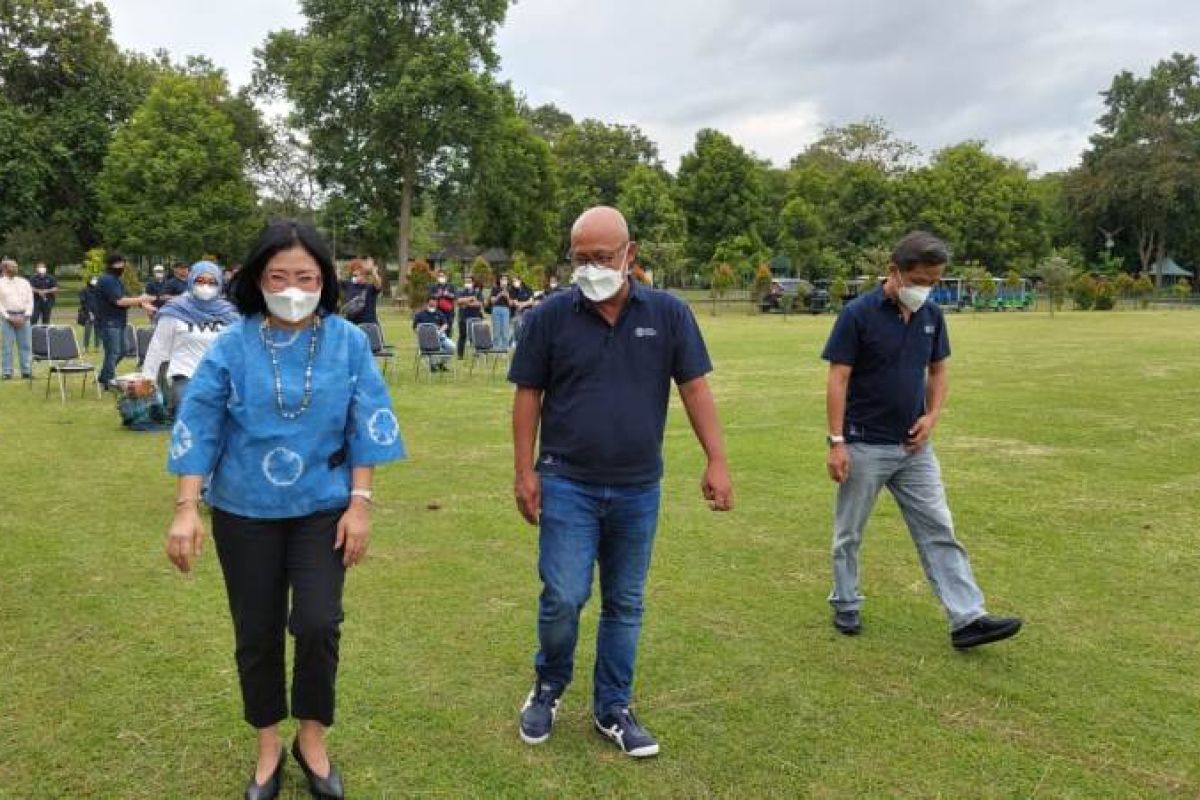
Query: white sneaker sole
point(615, 738)
point(527, 739)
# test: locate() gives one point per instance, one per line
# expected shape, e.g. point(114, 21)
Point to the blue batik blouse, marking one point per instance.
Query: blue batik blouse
point(257, 462)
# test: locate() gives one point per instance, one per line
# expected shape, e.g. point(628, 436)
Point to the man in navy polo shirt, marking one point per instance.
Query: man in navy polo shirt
point(111, 307)
point(886, 389)
point(594, 371)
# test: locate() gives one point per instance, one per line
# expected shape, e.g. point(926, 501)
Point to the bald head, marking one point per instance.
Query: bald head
point(601, 221)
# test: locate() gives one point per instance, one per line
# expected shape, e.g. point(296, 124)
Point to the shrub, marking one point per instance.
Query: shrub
point(1182, 289)
point(1083, 292)
point(1106, 295)
point(416, 288)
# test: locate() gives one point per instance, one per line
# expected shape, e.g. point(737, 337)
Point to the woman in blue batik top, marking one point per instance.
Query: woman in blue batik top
point(282, 425)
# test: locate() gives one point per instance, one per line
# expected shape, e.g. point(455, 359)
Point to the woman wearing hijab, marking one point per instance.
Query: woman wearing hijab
point(186, 327)
point(283, 424)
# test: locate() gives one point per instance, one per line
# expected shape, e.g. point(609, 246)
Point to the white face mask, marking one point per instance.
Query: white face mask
point(205, 291)
point(599, 283)
point(913, 297)
point(41, 270)
point(292, 304)
point(442, 280)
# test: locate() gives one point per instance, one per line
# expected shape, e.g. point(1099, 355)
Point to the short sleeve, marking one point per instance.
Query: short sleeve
point(530, 366)
point(941, 342)
point(842, 346)
point(689, 355)
point(372, 432)
point(199, 428)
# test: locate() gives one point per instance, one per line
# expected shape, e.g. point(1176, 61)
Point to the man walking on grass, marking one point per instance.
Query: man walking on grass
point(886, 389)
point(594, 371)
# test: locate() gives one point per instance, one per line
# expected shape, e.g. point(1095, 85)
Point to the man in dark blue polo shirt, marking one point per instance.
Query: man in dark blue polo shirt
point(886, 389)
point(45, 292)
point(111, 307)
point(594, 371)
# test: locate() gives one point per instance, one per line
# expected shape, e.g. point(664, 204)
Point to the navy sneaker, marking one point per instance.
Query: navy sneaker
point(620, 725)
point(984, 630)
point(539, 712)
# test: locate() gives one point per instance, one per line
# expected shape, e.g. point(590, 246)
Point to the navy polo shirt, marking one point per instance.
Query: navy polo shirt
point(606, 389)
point(108, 313)
point(889, 360)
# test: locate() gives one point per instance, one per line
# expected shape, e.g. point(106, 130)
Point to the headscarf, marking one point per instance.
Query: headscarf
point(188, 309)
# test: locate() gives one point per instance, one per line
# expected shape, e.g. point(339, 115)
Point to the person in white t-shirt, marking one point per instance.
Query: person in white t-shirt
point(187, 326)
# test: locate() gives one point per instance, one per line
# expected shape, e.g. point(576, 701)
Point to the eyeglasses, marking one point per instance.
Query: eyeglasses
point(604, 258)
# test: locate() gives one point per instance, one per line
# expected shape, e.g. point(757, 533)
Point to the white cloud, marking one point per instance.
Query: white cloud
point(1022, 74)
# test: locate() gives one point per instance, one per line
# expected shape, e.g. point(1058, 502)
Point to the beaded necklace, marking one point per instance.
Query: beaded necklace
point(264, 331)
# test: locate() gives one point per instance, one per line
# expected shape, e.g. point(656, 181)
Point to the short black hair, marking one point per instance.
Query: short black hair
point(113, 260)
point(920, 249)
point(280, 235)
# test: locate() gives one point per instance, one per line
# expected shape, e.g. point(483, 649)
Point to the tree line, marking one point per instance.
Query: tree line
point(402, 139)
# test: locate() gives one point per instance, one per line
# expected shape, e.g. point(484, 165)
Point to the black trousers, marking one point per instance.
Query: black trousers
point(41, 312)
point(464, 323)
point(262, 560)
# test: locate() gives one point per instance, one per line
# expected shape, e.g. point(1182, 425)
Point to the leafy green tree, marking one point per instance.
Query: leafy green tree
point(417, 283)
point(977, 278)
point(869, 142)
point(1143, 288)
point(982, 204)
point(173, 182)
point(720, 191)
point(1057, 275)
point(743, 252)
point(801, 234)
point(392, 94)
point(723, 280)
point(594, 159)
point(1139, 175)
point(654, 220)
point(1084, 291)
point(514, 195)
point(548, 121)
point(93, 263)
point(65, 87)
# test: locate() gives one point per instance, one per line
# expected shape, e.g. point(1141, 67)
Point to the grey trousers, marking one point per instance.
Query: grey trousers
point(915, 480)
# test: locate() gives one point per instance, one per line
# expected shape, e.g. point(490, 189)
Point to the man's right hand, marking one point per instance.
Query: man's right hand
point(838, 463)
point(527, 490)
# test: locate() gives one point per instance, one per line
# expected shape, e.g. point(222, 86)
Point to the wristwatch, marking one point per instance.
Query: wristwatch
point(365, 494)
point(833, 440)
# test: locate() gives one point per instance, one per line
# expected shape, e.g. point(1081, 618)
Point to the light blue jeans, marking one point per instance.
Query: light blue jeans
point(500, 333)
point(22, 338)
point(915, 480)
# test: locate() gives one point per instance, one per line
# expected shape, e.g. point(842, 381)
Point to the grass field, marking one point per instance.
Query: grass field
point(1071, 449)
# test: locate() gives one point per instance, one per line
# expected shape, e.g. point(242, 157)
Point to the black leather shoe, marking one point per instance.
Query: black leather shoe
point(327, 788)
point(984, 630)
point(270, 789)
point(848, 623)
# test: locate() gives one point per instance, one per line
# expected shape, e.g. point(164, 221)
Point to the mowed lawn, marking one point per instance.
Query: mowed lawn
point(1071, 450)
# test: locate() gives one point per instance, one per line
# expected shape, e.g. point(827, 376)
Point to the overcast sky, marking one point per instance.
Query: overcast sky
point(1024, 75)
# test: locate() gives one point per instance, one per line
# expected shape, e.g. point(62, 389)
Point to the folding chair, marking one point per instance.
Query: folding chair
point(384, 352)
point(483, 346)
point(41, 347)
point(62, 353)
point(143, 337)
point(429, 347)
point(131, 342)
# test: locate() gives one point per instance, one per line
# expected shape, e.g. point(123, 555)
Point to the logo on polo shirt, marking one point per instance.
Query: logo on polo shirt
point(929, 329)
point(642, 333)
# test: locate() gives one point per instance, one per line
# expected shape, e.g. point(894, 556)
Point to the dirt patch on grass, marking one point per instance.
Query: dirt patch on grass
point(1005, 447)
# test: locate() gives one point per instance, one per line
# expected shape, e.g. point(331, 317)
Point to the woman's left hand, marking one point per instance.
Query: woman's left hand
point(354, 531)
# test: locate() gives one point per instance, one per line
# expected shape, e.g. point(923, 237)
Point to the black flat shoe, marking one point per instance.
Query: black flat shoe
point(327, 788)
point(848, 623)
point(270, 789)
point(985, 630)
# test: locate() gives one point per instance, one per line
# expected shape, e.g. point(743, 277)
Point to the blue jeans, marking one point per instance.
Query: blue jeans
point(500, 318)
point(113, 341)
point(915, 480)
point(583, 524)
point(22, 337)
